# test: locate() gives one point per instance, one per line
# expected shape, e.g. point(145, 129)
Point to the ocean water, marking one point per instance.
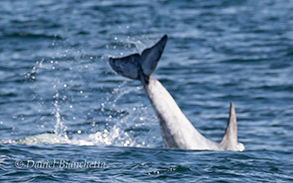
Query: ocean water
point(66, 116)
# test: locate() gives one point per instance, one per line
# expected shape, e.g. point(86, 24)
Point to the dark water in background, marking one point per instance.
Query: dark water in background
point(60, 100)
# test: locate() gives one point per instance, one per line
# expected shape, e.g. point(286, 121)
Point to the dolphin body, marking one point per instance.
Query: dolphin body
point(177, 131)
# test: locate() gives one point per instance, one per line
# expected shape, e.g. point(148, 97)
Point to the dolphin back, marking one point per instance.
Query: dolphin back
point(138, 66)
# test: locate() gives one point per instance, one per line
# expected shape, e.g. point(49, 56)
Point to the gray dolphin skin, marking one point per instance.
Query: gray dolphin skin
point(177, 131)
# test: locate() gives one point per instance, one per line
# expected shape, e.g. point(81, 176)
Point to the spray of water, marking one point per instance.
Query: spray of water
point(122, 125)
point(60, 128)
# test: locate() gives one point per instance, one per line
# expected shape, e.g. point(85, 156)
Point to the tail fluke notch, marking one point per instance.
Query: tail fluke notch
point(135, 66)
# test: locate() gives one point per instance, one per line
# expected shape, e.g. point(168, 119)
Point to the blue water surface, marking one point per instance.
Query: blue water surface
point(66, 116)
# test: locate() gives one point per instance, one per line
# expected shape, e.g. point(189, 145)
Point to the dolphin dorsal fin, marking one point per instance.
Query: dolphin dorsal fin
point(229, 141)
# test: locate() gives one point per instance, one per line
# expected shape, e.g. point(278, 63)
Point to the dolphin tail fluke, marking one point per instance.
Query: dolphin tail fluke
point(137, 66)
point(229, 141)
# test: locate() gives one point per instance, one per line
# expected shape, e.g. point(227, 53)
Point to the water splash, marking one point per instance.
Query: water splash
point(131, 124)
point(60, 128)
point(119, 125)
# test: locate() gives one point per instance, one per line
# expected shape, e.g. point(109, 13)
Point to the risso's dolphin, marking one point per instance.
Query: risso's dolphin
point(176, 129)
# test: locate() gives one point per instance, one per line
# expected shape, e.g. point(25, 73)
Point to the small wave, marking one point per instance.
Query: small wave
point(45, 138)
point(99, 138)
point(31, 35)
point(174, 169)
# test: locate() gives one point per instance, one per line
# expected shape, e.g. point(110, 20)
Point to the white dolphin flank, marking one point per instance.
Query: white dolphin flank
point(177, 131)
